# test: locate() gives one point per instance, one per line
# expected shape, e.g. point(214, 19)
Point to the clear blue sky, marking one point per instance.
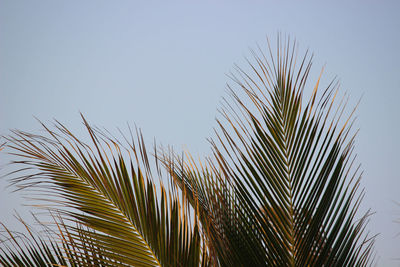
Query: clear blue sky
point(161, 65)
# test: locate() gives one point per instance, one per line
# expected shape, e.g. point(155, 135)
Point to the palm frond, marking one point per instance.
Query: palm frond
point(114, 197)
point(282, 189)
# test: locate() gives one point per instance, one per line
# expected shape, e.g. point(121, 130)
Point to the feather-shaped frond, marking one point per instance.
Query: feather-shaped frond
point(109, 189)
point(281, 188)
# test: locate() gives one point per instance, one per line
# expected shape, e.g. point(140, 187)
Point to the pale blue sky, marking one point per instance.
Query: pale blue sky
point(161, 65)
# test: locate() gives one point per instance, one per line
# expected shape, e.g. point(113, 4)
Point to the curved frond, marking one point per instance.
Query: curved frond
point(109, 189)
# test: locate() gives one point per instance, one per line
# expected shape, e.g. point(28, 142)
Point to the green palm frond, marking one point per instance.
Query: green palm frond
point(281, 188)
point(113, 196)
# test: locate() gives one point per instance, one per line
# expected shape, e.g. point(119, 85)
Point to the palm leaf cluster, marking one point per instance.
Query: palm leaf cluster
point(280, 188)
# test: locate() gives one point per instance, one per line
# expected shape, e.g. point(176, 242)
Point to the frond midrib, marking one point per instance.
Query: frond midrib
point(111, 202)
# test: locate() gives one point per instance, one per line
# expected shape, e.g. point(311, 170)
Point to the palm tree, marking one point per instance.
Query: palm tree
point(279, 189)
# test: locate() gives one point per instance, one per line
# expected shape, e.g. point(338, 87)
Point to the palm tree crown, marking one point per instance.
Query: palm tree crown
point(280, 188)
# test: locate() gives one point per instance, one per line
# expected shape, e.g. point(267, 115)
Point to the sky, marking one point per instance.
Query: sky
point(163, 65)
